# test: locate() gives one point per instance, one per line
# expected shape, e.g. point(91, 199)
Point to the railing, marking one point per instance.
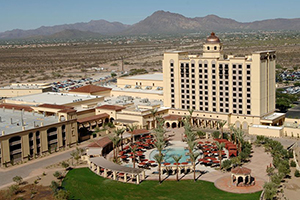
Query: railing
point(15, 151)
point(15, 143)
point(52, 141)
point(52, 133)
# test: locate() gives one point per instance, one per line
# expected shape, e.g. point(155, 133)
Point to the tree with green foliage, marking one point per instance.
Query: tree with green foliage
point(119, 133)
point(270, 171)
point(131, 128)
point(176, 160)
point(62, 195)
point(13, 189)
point(54, 186)
point(193, 157)
point(200, 134)
point(191, 116)
point(220, 147)
point(216, 134)
point(236, 161)
point(159, 159)
point(221, 125)
point(293, 163)
point(18, 179)
point(133, 150)
point(270, 190)
point(115, 141)
point(226, 164)
point(297, 173)
point(153, 113)
point(113, 74)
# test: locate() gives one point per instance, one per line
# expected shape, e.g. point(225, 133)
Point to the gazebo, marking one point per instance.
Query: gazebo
point(241, 176)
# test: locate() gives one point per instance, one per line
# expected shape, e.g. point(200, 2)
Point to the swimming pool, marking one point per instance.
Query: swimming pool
point(169, 152)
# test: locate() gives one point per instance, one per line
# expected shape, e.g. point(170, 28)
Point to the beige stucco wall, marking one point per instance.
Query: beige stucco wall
point(144, 94)
point(71, 138)
point(266, 132)
point(121, 82)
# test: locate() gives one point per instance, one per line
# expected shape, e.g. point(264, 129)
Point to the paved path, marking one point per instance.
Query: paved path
point(36, 167)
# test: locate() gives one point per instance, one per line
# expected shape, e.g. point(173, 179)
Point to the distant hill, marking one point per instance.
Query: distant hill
point(96, 26)
point(160, 22)
point(69, 33)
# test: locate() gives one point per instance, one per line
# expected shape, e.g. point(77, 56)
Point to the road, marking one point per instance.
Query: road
point(25, 170)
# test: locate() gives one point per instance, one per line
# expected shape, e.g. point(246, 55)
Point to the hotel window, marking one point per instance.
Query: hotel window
point(182, 96)
point(248, 78)
point(214, 98)
point(248, 72)
point(213, 82)
point(240, 89)
point(205, 76)
point(206, 82)
point(206, 93)
point(172, 80)
point(248, 100)
point(193, 76)
point(213, 65)
point(183, 107)
point(213, 77)
point(206, 103)
point(240, 72)
point(227, 110)
point(240, 101)
point(240, 106)
point(187, 80)
point(181, 65)
point(240, 66)
point(206, 98)
point(213, 71)
point(187, 96)
point(248, 106)
point(193, 86)
point(248, 89)
point(193, 65)
point(193, 92)
point(188, 102)
point(171, 64)
point(172, 95)
point(221, 109)
point(205, 71)
point(193, 70)
point(240, 95)
point(214, 109)
point(248, 112)
point(187, 91)
point(182, 91)
point(172, 90)
point(172, 69)
point(227, 99)
point(206, 87)
point(205, 65)
point(240, 112)
point(200, 65)
point(248, 66)
point(172, 75)
point(200, 76)
point(248, 83)
point(172, 85)
point(182, 85)
point(173, 101)
point(200, 70)
point(234, 100)
point(248, 95)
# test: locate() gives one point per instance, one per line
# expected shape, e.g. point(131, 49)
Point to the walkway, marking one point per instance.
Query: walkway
point(35, 167)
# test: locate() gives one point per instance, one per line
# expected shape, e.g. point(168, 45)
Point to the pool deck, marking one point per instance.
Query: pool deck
point(257, 164)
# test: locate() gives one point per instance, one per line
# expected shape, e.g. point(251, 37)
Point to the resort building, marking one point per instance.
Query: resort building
point(91, 90)
point(240, 90)
point(21, 89)
point(26, 134)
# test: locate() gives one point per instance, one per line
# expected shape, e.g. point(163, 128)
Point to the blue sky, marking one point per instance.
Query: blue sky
point(30, 14)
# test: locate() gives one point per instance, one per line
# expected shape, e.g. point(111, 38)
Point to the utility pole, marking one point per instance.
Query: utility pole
point(122, 64)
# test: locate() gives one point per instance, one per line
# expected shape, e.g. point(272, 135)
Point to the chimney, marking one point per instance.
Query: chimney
point(3, 108)
point(11, 121)
point(42, 124)
point(23, 128)
point(0, 119)
point(34, 125)
point(13, 109)
point(3, 132)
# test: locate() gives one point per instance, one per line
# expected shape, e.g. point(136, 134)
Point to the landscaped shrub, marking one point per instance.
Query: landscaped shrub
point(216, 134)
point(297, 173)
point(293, 163)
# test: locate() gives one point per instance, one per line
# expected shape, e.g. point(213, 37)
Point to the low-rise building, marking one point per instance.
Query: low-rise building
point(22, 89)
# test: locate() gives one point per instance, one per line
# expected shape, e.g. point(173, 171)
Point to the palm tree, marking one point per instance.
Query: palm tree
point(153, 113)
point(191, 117)
point(222, 124)
point(240, 137)
point(231, 127)
point(159, 158)
point(115, 140)
point(220, 147)
point(131, 128)
point(193, 157)
point(119, 132)
point(176, 159)
point(133, 150)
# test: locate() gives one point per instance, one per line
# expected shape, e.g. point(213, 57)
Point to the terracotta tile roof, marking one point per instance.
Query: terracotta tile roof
point(90, 89)
point(172, 117)
point(67, 110)
point(45, 105)
point(111, 107)
point(92, 118)
point(103, 142)
point(16, 107)
point(241, 170)
point(139, 132)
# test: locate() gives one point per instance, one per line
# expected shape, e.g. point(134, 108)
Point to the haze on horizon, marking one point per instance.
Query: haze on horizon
point(32, 14)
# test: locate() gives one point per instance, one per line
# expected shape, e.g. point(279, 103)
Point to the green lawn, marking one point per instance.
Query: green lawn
point(84, 184)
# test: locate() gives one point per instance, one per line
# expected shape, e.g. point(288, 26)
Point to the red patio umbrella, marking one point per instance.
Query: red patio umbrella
point(216, 161)
point(123, 157)
point(148, 136)
point(185, 163)
point(176, 163)
point(207, 142)
point(151, 161)
point(200, 142)
point(144, 160)
point(167, 163)
point(139, 154)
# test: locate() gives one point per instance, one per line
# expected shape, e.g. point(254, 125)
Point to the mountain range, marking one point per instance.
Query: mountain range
point(160, 22)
